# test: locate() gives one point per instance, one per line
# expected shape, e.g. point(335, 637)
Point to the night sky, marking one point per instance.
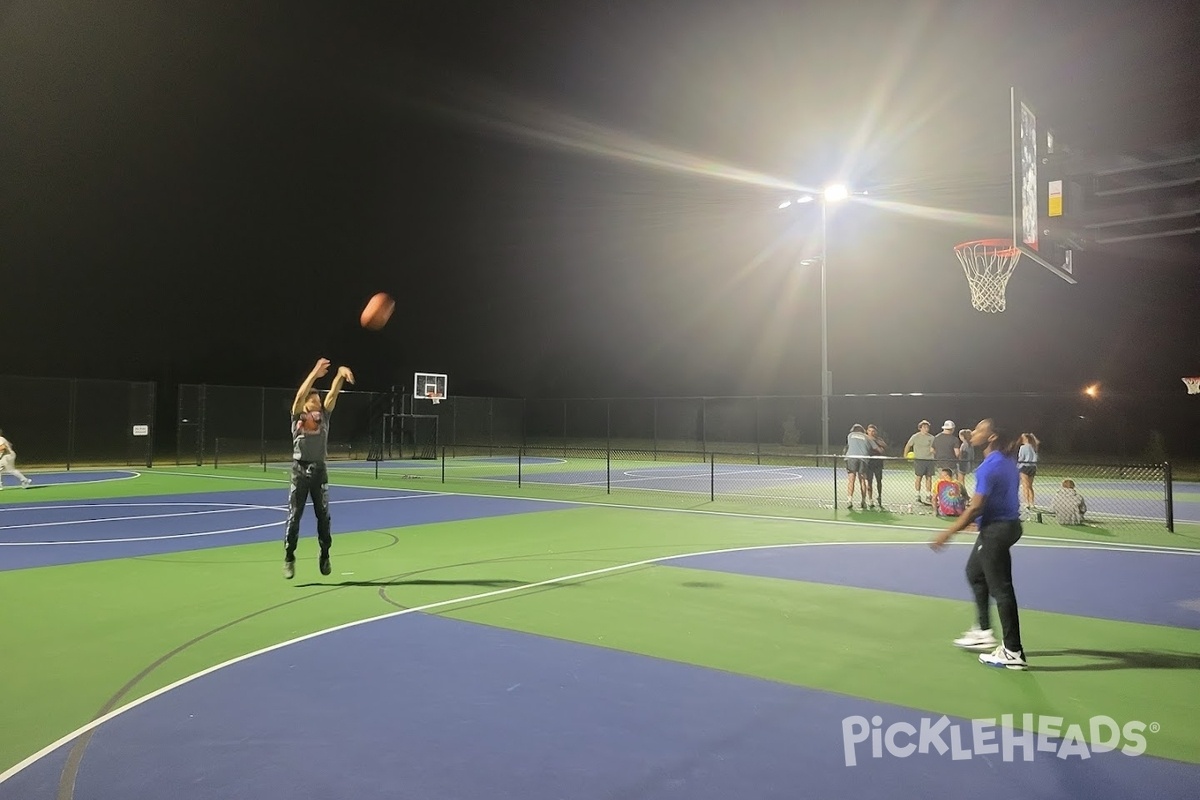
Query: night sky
point(572, 198)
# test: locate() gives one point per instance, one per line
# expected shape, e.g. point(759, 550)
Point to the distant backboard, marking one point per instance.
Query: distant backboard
point(1038, 192)
point(429, 386)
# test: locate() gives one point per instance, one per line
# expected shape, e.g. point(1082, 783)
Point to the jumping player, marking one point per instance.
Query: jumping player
point(310, 449)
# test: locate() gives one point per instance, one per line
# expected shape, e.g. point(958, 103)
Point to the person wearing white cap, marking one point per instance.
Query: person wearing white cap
point(946, 448)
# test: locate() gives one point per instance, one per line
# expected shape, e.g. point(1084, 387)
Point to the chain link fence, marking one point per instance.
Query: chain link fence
point(756, 450)
point(1116, 496)
point(75, 422)
point(251, 424)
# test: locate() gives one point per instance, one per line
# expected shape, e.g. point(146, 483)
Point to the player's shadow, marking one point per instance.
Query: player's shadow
point(1105, 660)
point(486, 583)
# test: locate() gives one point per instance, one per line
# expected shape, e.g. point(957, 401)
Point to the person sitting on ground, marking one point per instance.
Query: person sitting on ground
point(1069, 506)
point(950, 498)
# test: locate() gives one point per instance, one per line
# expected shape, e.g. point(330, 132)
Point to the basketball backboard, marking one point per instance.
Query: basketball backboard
point(429, 386)
point(1038, 192)
point(1143, 204)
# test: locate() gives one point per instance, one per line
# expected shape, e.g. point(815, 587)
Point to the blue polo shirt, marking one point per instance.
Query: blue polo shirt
point(998, 480)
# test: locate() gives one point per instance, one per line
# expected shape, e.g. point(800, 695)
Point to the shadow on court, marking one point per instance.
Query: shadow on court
point(1103, 660)
point(490, 583)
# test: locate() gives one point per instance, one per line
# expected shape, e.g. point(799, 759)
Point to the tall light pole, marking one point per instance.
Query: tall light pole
point(833, 193)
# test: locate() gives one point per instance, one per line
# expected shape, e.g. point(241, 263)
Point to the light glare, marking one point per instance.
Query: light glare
point(836, 193)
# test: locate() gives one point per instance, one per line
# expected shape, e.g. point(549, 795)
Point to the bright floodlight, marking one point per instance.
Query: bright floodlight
point(785, 204)
point(836, 192)
point(805, 199)
point(1093, 390)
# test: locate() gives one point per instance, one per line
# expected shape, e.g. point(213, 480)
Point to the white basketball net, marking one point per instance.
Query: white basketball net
point(1193, 385)
point(988, 266)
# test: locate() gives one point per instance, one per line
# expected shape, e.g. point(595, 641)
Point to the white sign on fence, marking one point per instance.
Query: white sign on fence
point(141, 430)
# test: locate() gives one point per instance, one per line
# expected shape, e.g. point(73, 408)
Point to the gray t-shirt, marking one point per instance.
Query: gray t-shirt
point(944, 445)
point(922, 445)
point(310, 436)
point(857, 445)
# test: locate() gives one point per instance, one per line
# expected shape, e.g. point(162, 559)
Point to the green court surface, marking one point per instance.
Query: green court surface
point(82, 639)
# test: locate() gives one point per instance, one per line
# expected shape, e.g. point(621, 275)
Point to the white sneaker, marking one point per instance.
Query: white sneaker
point(976, 639)
point(25, 484)
point(1003, 657)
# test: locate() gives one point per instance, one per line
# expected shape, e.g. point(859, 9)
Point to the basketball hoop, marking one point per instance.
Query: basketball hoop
point(1193, 385)
point(988, 264)
point(435, 397)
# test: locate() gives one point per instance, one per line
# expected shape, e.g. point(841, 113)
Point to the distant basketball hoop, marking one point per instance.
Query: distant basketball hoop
point(988, 264)
point(1193, 385)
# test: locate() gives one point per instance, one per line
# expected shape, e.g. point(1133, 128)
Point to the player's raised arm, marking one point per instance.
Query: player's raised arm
point(318, 371)
point(343, 375)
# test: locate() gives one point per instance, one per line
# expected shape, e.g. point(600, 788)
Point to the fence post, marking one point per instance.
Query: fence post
point(216, 452)
point(607, 471)
point(656, 429)
point(70, 423)
point(1170, 495)
point(712, 477)
point(757, 433)
point(262, 425)
point(608, 423)
point(520, 455)
point(153, 420)
point(704, 425)
point(200, 436)
point(443, 463)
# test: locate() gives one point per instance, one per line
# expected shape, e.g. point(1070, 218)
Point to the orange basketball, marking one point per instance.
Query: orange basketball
point(378, 311)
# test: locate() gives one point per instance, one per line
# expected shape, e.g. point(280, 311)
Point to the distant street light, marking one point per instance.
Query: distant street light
point(833, 193)
point(1092, 391)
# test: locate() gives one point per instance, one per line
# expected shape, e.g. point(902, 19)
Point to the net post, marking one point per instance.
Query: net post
point(712, 477)
point(835, 486)
point(607, 471)
point(1169, 485)
point(655, 407)
point(443, 463)
point(520, 458)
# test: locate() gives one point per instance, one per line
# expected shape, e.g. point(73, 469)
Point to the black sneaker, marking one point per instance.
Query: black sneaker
point(289, 569)
point(325, 568)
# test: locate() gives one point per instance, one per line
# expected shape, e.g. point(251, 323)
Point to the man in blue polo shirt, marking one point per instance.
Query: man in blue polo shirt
point(997, 506)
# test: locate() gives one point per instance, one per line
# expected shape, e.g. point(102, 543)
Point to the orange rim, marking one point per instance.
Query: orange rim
point(1002, 247)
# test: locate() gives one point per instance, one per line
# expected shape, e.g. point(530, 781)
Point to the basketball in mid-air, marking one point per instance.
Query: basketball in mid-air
point(378, 311)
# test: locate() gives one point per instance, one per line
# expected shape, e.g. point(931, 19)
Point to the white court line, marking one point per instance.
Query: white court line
point(45, 751)
point(145, 538)
point(127, 475)
point(58, 522)
point(243, 507)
